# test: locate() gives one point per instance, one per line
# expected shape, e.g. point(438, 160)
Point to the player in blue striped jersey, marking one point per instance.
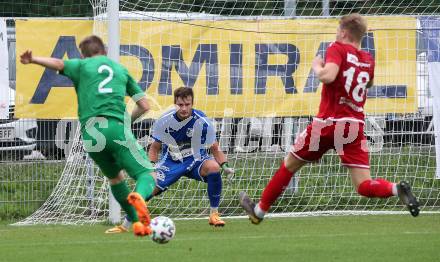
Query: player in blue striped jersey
point(182, 138)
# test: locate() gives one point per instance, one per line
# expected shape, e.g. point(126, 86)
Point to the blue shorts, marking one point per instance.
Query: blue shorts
point(168, 171)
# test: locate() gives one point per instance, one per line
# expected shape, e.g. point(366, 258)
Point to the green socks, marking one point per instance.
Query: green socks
point(145, 184)
point(120, 192)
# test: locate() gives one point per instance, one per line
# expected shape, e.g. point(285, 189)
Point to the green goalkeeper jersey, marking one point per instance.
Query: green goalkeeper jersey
point(101, 85)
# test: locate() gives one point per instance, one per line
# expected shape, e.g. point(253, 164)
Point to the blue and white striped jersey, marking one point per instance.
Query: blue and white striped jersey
point(182, 139)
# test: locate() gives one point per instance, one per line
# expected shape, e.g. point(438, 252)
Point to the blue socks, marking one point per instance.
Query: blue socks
point(214, 181)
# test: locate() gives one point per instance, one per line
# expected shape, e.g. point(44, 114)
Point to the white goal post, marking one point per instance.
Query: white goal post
point(249, 65)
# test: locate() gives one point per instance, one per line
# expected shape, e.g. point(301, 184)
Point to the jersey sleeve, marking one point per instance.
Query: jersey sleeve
point(333, 55)
point(208, 129)
point(72, 70)
point(133, 89)
point(158, 130)
point(210, 135)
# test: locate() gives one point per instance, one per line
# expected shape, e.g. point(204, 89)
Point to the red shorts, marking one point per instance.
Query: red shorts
point(347, 138)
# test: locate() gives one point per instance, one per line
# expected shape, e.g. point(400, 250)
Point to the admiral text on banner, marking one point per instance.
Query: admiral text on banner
point(247, 73)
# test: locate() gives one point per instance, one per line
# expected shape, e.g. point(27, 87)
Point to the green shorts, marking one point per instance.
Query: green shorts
point(113, 147)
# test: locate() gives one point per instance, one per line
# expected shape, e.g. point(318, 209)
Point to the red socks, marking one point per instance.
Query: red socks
point(275, 188)
point(376, 188)
point(278, 183)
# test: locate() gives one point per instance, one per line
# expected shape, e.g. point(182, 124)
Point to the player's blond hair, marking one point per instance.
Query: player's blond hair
point(91, 46)
point(355, 25)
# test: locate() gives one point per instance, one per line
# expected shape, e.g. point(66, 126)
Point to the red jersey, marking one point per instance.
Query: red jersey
point(345, 97)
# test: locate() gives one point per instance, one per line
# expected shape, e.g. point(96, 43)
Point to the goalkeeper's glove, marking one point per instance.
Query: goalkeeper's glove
point(229, 171)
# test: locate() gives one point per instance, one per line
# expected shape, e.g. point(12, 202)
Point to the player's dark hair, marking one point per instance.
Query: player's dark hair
point(91, 46)
point(183, 92)
point(355, 25)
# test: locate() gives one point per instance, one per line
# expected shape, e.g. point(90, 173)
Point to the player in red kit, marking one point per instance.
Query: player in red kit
point(346, 74)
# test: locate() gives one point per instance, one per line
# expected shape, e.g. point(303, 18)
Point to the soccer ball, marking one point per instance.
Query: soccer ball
point(163, 229)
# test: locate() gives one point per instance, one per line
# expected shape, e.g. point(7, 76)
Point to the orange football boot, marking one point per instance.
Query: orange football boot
point(136, 200)
point(215, 220)
point(139, 229)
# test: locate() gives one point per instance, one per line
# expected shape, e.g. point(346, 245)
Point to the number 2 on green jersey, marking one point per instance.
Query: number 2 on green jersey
point(101, 87)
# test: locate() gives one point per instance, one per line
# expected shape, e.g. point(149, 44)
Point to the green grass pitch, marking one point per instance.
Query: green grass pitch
point(344, 238)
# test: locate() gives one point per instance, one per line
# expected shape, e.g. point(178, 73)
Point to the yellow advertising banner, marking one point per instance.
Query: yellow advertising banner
point(46, 38)
point(237, 68)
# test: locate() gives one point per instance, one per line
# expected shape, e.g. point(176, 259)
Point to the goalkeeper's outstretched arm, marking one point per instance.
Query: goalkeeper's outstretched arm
point(49, 62)
point(153, 152)
point(221, 159)
point(219, 156)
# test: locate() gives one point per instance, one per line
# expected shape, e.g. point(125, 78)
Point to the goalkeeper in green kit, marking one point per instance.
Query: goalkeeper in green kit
point(101, 85)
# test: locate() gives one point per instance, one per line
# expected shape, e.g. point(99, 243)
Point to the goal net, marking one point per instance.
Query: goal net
point(249, 63)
